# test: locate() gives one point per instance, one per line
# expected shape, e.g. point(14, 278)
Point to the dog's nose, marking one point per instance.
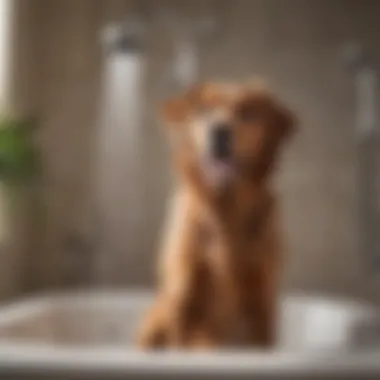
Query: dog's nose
point(221, 141)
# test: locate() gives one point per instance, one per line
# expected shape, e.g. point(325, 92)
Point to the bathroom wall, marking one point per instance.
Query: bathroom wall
point(295, 44)
point(18, 91)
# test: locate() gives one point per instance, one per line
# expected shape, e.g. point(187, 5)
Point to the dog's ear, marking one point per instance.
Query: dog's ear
point(285, 121)
point(176, 110)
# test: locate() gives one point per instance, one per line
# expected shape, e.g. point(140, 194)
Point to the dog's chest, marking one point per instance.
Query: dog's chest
point(236, 251)
point(233, 266)
point(236, 230)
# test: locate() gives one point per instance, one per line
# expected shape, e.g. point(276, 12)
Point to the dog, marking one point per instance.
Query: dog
point(222, 259)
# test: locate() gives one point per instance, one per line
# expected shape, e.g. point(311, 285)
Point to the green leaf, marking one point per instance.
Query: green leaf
point(19, 158)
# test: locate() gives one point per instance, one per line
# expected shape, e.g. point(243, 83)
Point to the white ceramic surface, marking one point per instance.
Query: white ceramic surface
point(91, 333)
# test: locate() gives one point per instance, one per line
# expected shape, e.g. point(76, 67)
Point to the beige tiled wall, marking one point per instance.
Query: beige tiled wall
point(294, 43)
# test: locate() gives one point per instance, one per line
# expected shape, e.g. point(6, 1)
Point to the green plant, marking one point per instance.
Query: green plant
point(20, 169)
point(19, 158)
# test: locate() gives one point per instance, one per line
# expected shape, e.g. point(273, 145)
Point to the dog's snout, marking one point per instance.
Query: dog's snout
point(221, 141)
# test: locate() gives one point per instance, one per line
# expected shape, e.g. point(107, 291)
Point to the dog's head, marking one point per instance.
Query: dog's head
point(227, 131)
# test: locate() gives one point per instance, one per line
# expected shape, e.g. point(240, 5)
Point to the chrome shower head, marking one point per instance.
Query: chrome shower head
point(124, 37)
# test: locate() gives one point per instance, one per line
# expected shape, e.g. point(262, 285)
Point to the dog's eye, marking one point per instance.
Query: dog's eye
point(203, 112)
point(247, 113)
point(203, 109)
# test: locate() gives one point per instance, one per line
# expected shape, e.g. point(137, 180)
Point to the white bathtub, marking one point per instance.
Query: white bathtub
point(88, 336)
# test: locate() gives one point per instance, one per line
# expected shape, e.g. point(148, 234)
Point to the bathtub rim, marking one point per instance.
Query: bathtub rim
point(142, 296)
point(118, 361)
point(47, 357)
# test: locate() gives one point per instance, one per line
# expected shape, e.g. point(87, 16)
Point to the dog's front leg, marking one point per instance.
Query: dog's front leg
point(263, 286)
point(184, 276)
point(152, 334)
point(188, 306)
point(262, 312)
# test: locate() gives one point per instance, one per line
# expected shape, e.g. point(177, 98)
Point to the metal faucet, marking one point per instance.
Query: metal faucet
point(368, 138)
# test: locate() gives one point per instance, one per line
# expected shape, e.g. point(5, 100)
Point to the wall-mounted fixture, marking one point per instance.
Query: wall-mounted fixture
point(120, 187)
point(368, 143)
point(189, 37)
